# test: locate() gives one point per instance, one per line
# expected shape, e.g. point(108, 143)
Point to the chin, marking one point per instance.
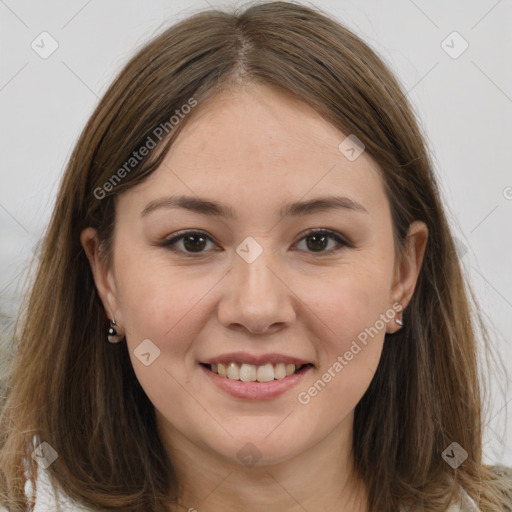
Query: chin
point(259, 447)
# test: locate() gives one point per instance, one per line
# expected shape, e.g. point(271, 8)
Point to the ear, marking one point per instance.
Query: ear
point(103, 276)
point(407, 270)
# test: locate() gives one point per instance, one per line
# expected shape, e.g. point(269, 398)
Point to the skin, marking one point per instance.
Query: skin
point(256, 149)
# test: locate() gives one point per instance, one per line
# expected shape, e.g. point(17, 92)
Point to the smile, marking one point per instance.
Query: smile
point(233, 383)
point(251, 373)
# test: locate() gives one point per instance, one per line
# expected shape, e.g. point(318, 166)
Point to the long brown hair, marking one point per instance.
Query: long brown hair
point(73, 390)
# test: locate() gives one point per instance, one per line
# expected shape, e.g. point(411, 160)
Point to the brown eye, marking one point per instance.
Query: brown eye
point(188, 243)
point(317, 241)
point(194, 243)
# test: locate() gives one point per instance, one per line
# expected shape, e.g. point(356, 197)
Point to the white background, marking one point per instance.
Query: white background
point(464, 105)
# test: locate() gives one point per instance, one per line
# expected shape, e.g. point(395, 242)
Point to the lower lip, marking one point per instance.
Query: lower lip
point(256, 390)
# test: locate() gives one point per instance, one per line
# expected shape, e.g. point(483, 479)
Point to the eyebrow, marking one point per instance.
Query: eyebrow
point(207, 207)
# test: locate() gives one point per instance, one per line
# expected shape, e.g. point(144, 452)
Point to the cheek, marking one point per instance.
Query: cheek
point(351, 336)
point(162, 302)
point(162, 305)
point(350, 328)
point(348, 303)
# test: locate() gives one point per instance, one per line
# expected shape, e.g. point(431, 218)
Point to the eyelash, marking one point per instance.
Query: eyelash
point(171, 243)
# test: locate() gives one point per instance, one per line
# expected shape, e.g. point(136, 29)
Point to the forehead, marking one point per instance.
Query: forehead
point(258, 121)
point(258, 143)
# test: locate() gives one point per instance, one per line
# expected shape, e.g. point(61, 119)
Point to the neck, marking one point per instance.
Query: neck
point(318, 479)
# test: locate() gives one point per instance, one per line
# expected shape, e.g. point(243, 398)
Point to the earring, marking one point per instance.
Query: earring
point(399, 322)
point(113, 336)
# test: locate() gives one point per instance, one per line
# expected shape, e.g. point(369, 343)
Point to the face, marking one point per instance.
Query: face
point(254, 281)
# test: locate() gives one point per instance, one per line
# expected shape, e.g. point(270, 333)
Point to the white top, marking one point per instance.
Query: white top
point(45, 498)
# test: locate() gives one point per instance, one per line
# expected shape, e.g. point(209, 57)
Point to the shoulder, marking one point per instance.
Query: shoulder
point(504, 473)
point(463, 503)
point(45, 498)
point(466, 504)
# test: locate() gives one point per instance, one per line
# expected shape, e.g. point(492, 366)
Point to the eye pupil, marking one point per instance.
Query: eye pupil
point(317, 238)
point(196, 245)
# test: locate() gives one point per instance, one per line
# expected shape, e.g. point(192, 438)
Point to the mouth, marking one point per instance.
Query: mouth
point(256, 381)
point(245, 372)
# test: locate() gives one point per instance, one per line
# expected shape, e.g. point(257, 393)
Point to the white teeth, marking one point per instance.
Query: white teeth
point(290, 368)
point(221, 370)
point(233, 371)
point(280, 371)
point(265, 373)
point(250, 372)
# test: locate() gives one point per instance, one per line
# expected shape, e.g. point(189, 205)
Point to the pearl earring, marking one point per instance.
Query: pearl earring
point(113, 336)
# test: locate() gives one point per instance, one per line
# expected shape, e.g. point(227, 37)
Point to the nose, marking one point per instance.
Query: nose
point(256, 297)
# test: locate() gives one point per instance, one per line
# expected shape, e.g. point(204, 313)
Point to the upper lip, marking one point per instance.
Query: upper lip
point(244, 357)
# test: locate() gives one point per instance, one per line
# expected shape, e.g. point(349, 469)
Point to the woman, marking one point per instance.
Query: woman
point(251, 220)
